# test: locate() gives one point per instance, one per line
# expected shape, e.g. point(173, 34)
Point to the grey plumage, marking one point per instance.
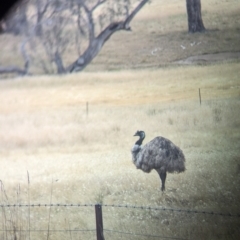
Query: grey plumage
point(159, 154)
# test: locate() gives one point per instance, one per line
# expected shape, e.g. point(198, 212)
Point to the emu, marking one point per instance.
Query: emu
point(159, 154)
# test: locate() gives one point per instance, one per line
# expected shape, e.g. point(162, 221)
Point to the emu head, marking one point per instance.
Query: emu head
point(141, 135)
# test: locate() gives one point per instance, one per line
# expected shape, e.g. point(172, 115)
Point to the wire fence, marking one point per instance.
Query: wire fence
point(110, 221)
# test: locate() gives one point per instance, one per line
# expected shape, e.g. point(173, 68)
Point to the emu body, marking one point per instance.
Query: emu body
point(159, 154)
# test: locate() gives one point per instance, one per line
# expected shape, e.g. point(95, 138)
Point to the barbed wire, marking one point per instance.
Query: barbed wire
point(143, 235)
point(92, 230)
point(48, 230)
point(49, 205)
point(173, 210)
point(122, 206)
point(110, 231)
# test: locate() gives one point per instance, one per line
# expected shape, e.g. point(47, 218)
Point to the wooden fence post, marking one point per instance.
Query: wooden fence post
point(99, 222)
point(87, 109)
point(200, 97)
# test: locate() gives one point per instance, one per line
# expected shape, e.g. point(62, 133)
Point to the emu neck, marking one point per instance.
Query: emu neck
point(139, 141)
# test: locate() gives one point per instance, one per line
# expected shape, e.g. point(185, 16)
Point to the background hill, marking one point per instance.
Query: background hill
point(159, 31)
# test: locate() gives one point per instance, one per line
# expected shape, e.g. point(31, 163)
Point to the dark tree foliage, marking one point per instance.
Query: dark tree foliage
point(15, 20)
point(6, 6)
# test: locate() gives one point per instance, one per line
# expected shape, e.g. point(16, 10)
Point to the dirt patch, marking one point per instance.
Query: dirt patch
point(210, 58)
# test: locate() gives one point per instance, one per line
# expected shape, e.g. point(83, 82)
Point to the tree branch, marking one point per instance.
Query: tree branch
point(96, 43)
point(12, 69)
point(133, 13)
point(99, 2)
point(79, 19)
point(90, 21)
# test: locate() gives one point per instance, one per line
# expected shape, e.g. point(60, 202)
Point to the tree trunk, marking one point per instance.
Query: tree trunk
point(195, 23)
point(59, 63)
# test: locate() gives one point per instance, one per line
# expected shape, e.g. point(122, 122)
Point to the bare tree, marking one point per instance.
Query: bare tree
point(195, 22)
point(96, 42)
point(87, 24)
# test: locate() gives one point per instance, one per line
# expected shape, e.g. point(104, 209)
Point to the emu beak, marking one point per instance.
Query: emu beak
point(135, 134)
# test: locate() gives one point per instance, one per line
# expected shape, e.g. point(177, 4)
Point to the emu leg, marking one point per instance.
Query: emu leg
point(162, 174)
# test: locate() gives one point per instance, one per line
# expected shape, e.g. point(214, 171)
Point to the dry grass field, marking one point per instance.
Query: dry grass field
point(45, 131)
point(75, 157)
